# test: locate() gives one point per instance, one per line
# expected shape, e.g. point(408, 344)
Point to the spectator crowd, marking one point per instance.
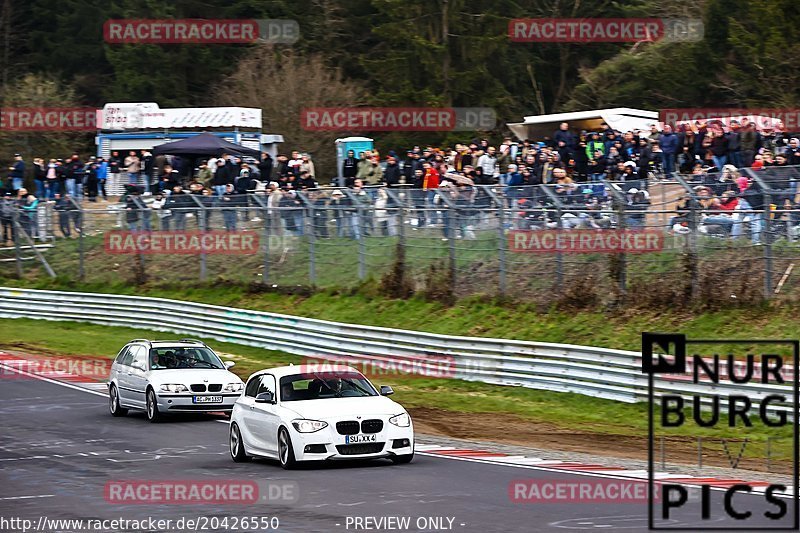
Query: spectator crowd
point(448, 188)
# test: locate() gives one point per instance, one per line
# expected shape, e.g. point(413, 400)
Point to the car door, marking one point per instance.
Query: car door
point(249, 416)
point(137, 379)
point(121, 371)
point(265, 416)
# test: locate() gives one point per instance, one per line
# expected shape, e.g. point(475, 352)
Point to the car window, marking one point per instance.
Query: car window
point(167, 357)
point(139, 357)
point(127, 357)
point(121, 355)
point(252, 387)
point(267, 384)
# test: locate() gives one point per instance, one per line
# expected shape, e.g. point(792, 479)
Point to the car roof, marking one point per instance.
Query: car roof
point(164, 343)
point(291, 370)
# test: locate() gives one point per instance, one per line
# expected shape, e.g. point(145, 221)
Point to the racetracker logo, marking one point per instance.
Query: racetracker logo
point(757, 403)
point(580, 241)
point(190, 492)
point(590, 490)
point(182, 242)
point(82, 369)
point(48, 119)
point(558, 30)
point(201, 31)
point(398, 119)
point(427, 366)
point(759, 118)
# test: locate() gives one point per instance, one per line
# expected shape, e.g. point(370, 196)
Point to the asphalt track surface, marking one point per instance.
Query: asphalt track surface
point(59, 446)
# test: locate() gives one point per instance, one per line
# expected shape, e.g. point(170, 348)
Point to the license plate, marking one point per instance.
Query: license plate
point(356, 439)
point(207, 399)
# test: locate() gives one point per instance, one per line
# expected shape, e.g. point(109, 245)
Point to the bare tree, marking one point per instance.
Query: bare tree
point(282, 83)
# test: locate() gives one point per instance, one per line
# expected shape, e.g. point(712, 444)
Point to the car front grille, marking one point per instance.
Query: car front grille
point(215, 387)
point(198, 387)
point(348, 427)
point(372, 426)
point(360, 449)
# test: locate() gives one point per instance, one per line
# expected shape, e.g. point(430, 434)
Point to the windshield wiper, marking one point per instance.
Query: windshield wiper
point(354, 384)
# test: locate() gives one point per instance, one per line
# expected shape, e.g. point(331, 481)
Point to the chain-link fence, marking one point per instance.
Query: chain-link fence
point(573, 242)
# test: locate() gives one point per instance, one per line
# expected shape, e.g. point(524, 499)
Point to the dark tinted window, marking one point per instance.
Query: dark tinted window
point(252, 387)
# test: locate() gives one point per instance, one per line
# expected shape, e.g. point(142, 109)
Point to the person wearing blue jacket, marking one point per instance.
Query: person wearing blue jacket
point(102, 176)
point(669, 148)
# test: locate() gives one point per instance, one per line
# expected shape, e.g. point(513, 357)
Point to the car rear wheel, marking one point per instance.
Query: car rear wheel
point(285, 450)
point(237, 446)
point(402, 459)
point(113, 402)
point(153, 414)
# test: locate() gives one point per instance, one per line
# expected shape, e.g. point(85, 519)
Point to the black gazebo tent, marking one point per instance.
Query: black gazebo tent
point(204, 145)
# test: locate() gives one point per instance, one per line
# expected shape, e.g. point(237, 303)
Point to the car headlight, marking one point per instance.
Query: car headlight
point(308, 426)
point(233, 387)
point(402, 420)
point(173, 387)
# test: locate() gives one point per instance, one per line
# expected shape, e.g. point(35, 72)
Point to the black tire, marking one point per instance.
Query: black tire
point(113, 402)
point(153, 414)
point(236, 446)
point(402, 459)
point(285, 450)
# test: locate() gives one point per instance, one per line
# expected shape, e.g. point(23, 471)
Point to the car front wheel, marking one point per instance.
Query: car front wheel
point(153, 414)
point(113, 402)
point(285, 450)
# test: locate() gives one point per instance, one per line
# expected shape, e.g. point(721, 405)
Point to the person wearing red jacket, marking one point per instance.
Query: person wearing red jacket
point(430, 183)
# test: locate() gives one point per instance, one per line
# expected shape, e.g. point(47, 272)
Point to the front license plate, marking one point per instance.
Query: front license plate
point(207, 399)
point(355, 439)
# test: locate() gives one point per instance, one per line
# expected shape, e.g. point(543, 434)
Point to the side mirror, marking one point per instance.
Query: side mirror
point(386, 390)
point(138, 367)
point(229, 364)
point(265, 397)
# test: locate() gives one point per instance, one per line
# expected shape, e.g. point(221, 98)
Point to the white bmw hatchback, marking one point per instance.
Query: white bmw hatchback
point(162, 377)
point(291, 414)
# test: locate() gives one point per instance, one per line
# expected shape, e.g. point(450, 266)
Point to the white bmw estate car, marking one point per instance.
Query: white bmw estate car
point(162, 377)
point(293, 414)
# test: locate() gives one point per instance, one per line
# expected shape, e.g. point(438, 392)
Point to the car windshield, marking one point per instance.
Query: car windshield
point(325, 385)
point(182, 357)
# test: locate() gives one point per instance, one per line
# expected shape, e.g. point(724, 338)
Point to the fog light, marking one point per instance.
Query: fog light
point(401, 443)
point(315, 448)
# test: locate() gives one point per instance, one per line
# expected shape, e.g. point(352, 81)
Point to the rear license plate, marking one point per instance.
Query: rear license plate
point(207, 399)
point(356, 439)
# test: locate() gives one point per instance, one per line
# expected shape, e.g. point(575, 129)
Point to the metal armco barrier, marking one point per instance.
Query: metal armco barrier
point(598, 372)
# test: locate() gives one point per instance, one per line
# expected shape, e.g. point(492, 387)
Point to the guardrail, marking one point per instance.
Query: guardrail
point(598, 372)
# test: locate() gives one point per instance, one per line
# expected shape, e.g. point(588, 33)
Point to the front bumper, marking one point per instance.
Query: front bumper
point(184, 403)
point(328, 445)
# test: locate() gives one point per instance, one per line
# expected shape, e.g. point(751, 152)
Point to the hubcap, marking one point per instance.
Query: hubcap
point(150, 405)
point(234, 441)
point(113, 399)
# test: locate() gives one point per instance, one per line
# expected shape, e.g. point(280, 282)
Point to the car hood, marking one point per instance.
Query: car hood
point(187, 376)
point(335, 408)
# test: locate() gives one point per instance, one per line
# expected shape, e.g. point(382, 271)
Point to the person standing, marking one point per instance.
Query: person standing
point(40, 178)
point(133, 167)
point(17, 173)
